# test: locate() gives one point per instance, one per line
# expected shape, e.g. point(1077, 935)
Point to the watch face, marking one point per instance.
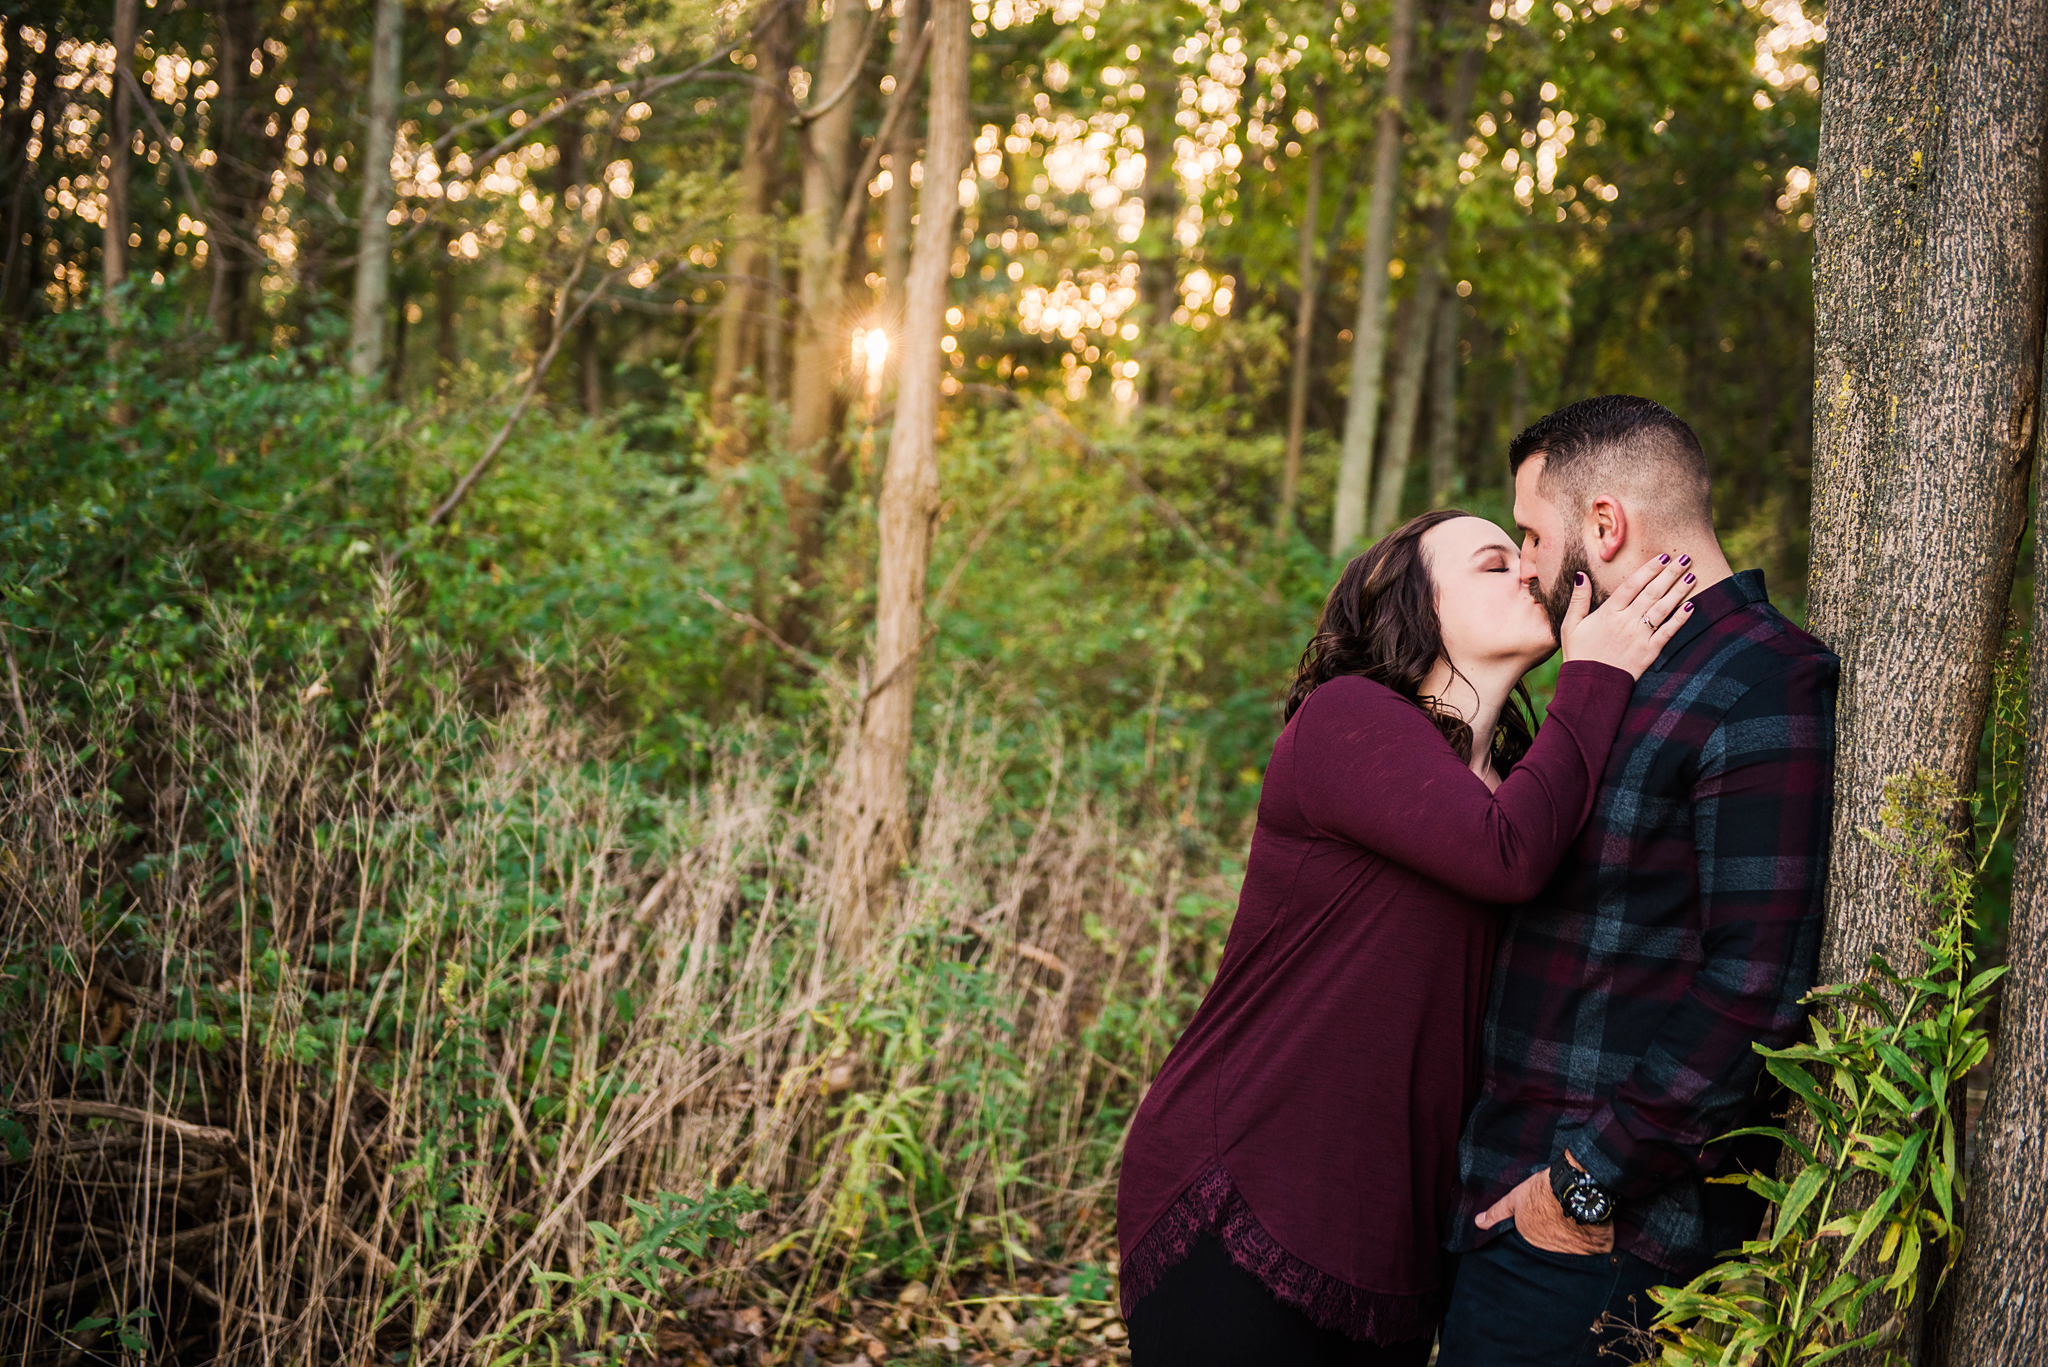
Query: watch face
point(1587, 1204)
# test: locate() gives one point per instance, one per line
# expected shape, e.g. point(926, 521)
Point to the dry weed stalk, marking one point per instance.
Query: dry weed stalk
point(324, 1028)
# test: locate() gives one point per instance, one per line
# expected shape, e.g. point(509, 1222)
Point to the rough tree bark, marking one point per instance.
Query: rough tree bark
point(1369, 333)
point(1994, 1307)
point(1928, 281)
point(746, 261)
point(1443, 404)
point(120, 155)
point(1999, 110)
point(1309, 273)
point(373, 234)
point(821, 333)
point(1928, 311)
point(878, 834)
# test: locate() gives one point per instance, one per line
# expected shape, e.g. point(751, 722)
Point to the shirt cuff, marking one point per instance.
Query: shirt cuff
point(1592, 1144)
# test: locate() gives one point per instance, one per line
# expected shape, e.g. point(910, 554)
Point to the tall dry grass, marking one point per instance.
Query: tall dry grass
point(380, 1033)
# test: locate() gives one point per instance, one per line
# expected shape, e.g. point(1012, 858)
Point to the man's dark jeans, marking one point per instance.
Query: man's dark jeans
point(1516, 1305)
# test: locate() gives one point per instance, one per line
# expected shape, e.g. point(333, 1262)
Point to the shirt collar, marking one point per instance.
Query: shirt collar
point(1709, 606)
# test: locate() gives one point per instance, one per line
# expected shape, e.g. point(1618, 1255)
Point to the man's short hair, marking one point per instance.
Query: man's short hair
point(1618, 443)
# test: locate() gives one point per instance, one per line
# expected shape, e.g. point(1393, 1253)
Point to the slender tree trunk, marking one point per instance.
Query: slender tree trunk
point(239, 179)
point(373, 234)
point(570, 188)
point(447, 303)
point(739, 329)
point(820, 331)
point(589, 370)
point(1369, 333)
point(394, 369)
point(1158, 250)
point(1998, 105)
point(120, 155)
point(1518, 397)
point(1443, 404)
point(1454, 111)
point(817, 401)
point(1308, 271)
point(899, 205)
point(879, 836)
point(1411, 364)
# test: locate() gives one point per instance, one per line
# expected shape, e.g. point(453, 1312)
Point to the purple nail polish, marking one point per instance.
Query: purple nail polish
point(1685, 560)
point(1578, 580)
point(1663, 559)
point(1688, 607)
point(1688, 579)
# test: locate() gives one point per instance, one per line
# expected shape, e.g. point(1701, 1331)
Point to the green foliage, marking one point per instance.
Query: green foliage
point(1877, 1172)
point(625, 1269)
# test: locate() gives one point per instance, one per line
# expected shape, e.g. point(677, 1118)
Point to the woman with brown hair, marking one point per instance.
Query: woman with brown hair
point(1285, 1176)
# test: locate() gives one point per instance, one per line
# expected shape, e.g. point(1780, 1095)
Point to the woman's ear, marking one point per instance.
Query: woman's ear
point(1607, 522)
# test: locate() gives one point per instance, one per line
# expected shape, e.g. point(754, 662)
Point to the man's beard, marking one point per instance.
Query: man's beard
point(1559, 600)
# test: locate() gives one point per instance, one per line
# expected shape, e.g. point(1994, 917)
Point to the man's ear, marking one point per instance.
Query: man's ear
point(1606, 525)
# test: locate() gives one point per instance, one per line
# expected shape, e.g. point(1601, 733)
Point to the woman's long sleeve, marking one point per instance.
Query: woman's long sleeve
point(1371, 769)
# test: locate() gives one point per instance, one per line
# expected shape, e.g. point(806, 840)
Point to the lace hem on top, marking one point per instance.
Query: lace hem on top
point(1212, 1203)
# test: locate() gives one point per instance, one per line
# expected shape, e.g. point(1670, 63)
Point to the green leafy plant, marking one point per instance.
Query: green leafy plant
point(624, 1272)
point(1879, 1164)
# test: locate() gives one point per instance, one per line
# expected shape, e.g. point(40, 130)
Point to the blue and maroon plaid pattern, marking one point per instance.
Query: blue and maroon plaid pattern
point(1681, 930)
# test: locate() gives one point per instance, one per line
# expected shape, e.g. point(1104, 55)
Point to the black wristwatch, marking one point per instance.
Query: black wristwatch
point(1583, 1199)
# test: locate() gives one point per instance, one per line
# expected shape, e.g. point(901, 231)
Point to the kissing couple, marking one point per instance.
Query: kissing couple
point(1489, 1002)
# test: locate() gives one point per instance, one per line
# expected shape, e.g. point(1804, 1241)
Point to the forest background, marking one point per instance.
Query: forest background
point(459, 858)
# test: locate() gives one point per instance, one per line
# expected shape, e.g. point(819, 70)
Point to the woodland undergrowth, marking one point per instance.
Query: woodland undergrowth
point(429, 1033)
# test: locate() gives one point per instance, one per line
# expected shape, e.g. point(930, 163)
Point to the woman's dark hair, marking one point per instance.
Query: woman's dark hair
point(1380, 623)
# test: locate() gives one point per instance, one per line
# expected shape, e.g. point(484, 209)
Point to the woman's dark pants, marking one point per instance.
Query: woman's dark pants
point(1209, 1312)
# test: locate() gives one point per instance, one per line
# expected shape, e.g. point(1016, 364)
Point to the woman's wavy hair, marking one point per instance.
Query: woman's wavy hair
point(1380, 623)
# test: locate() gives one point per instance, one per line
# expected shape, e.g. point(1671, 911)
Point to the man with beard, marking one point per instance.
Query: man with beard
point(1681, 930)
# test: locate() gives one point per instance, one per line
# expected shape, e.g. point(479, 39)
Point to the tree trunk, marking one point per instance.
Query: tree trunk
point(588, 369)
point(447, 304)
point(570, 187)
point(373, 235)
point(898, 207)
point(1443, 405)
point(1453, 109)
point(1518, 397)
point(120, 154)
point(1928, 276)
point(739, 329)
point(1158, 250)
point(1308, 272)
point(1927, 292)
point(1369, 333)
point(1416, 332)
point(1998, 212)
point(1994, 1304)
point(239, 174)
point(820, 336)
point(878, 838)
point(816, 405)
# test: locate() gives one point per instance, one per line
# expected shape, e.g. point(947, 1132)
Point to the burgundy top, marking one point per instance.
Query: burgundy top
point(1309, 1114)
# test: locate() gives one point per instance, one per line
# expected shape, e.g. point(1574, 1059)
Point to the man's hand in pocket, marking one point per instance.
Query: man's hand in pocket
point(1542, 1221)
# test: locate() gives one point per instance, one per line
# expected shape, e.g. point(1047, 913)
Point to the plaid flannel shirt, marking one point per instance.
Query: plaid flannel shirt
point(1682, 929)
